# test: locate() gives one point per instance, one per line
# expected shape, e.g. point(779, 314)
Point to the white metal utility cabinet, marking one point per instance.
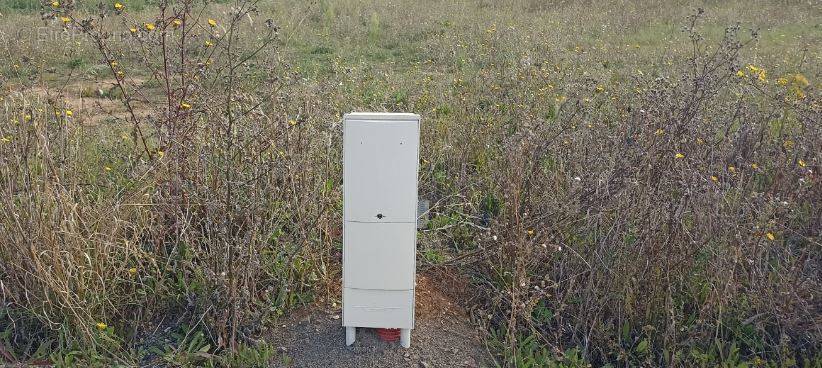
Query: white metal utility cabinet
point(380, 161)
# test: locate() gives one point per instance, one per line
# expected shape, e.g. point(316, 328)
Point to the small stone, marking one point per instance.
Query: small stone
point(336, 316)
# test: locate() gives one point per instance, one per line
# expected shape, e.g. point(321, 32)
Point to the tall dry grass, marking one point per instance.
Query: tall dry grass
point(680, 224)
point(208, 202)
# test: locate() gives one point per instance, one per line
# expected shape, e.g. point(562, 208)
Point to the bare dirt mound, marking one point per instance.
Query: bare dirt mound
point(443, 336)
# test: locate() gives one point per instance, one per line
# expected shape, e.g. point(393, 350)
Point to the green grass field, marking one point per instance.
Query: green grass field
point(621, 183)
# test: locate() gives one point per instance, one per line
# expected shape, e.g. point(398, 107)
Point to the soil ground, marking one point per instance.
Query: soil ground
point(443, 336)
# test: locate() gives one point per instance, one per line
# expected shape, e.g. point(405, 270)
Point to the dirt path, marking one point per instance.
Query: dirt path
point(443, 337)
point(91, 101)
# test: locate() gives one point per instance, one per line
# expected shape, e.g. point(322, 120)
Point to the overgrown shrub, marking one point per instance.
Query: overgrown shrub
point(207, 204)
point(676, 224)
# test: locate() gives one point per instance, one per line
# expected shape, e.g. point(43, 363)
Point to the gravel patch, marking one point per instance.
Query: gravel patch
point(443, 336)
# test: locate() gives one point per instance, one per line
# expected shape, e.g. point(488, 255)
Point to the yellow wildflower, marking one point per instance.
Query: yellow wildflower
point(106, 168)
point(800, 80)
point(185, 106)
point(27, 117)
point(208, 43)
point(132, 271)
point(69, 113)
point(176, 23)
point(292, 122)
point(160, 154)
point(740, 74)
point(101, 326)
point(133, 30)
point(5, 139)
point(530, 231)
point(55, 4)
point(754, 166)
point(149, 26)
point(118, 6)
point(65, 19)
point(770, 236)
point(660, 131)
point(802, 163)
point(599, 89)
point(679, 155)
point(714, 178)
point(782, 82)
point(212, 22)
point(731, 169)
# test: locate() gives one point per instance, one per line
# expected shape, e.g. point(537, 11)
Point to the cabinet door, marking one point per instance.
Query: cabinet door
point(378, 308)
point(379, 256)
point(380, 170)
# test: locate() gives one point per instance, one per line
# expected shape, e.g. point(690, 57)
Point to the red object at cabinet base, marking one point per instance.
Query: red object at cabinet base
point(389, 334)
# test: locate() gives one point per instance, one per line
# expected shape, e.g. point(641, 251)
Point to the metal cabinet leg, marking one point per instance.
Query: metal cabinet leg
point(350, 335)
point(405, 337)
